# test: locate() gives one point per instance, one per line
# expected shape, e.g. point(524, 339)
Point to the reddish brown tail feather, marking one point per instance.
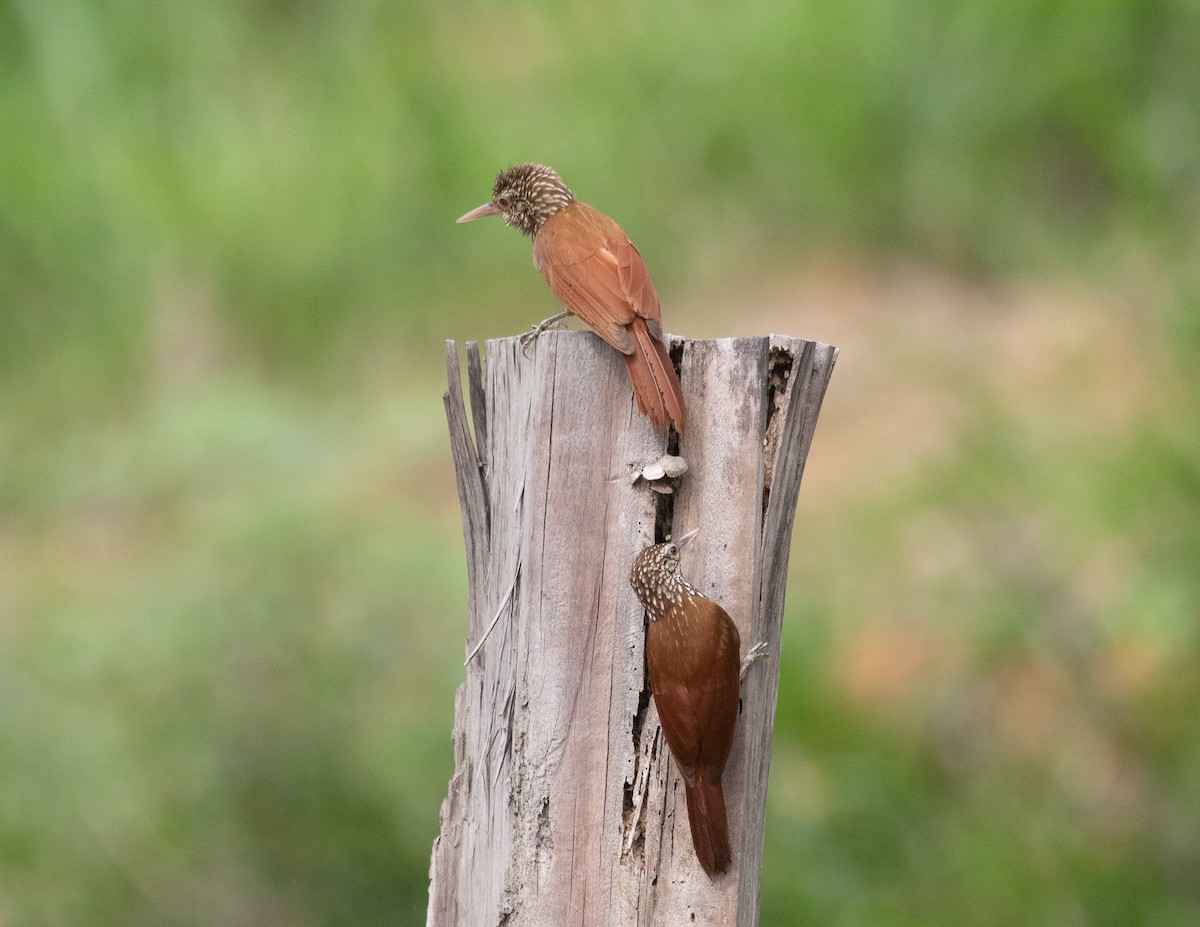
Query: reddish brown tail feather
point(710, 830)
point(655, 384)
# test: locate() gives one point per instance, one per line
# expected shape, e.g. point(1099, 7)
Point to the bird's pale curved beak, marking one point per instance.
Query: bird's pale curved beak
point(684, 538)
point(487, 209)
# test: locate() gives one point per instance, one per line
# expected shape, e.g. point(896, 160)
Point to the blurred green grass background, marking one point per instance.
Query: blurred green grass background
point(231, 576)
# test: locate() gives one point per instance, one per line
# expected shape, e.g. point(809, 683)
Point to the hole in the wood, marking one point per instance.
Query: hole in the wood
point(664, 516)
point(629, 813)
point(779, 375)
point(676, 353)
point(630, 816)
point(543, 837)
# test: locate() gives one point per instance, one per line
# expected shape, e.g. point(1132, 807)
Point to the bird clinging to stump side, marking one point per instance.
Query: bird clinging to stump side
point(597, 273)
point(692, 658)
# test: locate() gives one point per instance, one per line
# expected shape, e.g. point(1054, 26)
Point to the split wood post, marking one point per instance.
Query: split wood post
point(565, 809)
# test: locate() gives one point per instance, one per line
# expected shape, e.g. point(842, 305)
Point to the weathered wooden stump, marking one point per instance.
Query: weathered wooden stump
point(565, 807)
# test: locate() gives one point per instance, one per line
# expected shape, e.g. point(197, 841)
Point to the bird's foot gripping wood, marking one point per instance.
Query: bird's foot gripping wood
point(555, 321)
point(756, 653)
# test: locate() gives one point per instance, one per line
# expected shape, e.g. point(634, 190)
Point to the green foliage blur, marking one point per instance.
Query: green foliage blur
point(232, 589)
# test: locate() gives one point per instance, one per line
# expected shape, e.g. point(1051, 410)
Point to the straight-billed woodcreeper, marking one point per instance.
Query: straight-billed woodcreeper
point(596, 272)
point(692, 658)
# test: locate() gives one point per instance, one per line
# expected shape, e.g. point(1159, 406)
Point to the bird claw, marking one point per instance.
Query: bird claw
point(555, 321)
point(528, 338)
point(753, 655)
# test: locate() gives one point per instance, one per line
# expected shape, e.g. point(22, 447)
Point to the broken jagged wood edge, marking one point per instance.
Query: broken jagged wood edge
point(564, 807)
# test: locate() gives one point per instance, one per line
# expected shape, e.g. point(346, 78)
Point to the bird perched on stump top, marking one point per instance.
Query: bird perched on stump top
point(596, 272)
point(692, 649)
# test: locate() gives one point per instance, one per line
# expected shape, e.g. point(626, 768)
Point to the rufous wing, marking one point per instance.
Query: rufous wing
point(594, 269)
point(695, 685)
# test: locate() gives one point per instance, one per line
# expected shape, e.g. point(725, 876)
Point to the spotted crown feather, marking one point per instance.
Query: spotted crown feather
point(529, 194)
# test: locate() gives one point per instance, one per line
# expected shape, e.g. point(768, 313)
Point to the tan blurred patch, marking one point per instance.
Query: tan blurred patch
point(187, 341)
point(1038, 714)
point(919, 349)
point(1129, 666)
point(1027, 708)
point(1108, 782)
point(884, 668)
point(1100, 580)
point(92, 546)
point(1073, 355)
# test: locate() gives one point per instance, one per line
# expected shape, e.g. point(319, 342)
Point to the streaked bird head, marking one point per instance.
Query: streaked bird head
point(656, 577)
point(526, 195)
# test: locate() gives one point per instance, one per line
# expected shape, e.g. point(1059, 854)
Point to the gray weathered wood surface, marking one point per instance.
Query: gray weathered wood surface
point(565, 807)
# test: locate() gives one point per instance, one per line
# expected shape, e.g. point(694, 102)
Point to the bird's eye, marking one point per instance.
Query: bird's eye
point(502, 202)
point(672, 551)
